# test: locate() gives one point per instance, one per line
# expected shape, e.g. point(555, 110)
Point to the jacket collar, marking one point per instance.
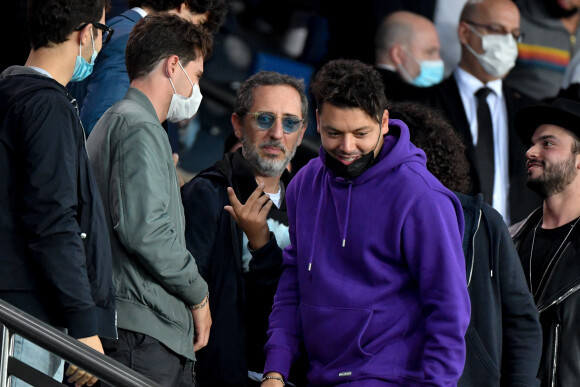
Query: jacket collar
point(139, 97)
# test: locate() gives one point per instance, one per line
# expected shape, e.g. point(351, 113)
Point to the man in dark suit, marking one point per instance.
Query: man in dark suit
point(407, 55)
point(481, 107)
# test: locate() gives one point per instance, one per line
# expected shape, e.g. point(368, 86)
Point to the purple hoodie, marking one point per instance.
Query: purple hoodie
point(374, 278)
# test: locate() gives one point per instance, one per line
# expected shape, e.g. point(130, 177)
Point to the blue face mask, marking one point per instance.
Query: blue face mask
point(82, 68)
point(431, 73)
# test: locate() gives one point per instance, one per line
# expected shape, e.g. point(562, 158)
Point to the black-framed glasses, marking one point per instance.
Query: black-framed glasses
point(107, 31)
point(266, 120)
point(496, 29)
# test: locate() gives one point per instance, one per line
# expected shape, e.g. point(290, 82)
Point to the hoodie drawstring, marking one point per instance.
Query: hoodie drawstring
point(491, 248)
point(345, 226)
point(315, 235)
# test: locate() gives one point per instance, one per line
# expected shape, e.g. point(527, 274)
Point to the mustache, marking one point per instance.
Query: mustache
point(272, 144)
point(535, 161)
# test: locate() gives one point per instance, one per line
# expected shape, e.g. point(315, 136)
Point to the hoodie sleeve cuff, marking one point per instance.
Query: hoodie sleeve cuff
point(278, 360)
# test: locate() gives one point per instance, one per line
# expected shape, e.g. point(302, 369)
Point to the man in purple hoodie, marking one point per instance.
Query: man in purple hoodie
point(374, 283)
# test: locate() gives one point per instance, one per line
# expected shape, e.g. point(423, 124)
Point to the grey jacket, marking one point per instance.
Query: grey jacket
point(155, 276)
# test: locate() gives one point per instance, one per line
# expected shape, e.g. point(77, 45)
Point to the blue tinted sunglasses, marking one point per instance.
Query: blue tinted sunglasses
point(266, 120)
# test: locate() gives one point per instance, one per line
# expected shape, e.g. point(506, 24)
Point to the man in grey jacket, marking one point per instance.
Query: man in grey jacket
point(163, 308)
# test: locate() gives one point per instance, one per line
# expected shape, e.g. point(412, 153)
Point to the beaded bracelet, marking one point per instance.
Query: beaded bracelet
point(203, 304)
point(264, 378)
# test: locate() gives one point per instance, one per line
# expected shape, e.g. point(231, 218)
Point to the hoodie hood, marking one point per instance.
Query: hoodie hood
point(397, 150)
point(23, 80)
point(474, 214)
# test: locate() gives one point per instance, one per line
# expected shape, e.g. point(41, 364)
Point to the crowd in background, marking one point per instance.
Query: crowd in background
point(250, 193)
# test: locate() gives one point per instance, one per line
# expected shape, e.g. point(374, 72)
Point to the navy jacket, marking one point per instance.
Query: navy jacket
point(55, 254)
point(241, 300)
point(109, 81)
point(504, 337)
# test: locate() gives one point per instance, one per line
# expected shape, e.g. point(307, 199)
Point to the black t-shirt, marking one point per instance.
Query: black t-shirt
point(547, 243)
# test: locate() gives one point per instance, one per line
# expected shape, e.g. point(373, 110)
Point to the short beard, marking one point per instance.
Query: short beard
point(555, 178)
point(264, 166)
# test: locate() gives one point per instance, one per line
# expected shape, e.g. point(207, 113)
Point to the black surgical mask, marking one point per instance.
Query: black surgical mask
point(558, 12)
point(354, 169)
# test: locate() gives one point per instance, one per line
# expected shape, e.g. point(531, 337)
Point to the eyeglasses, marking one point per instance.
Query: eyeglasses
point(496, 29)
point(107, 31)
point(266, 120)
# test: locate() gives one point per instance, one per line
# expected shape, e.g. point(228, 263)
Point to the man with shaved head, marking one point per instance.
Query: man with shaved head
point(407, 54)
point(480, 106)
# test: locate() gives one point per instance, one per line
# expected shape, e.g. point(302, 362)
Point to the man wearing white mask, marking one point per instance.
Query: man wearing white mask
point(481, 107)
point(407, 54)
point(163, 302)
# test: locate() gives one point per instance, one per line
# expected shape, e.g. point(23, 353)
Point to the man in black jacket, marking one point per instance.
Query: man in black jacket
point(548, 240)
point(504, 337)
point(236, 226)
point(56, 258)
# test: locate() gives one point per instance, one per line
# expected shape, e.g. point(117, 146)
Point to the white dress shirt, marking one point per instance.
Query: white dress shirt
point(468, 86)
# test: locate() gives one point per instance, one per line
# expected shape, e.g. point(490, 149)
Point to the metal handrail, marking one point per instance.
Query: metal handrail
point(73, 351)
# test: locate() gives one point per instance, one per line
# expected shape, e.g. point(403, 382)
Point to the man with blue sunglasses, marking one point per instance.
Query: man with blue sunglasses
point(236, 226)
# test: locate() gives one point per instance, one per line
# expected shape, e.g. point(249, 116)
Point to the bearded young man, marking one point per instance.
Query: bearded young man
point(548, 240)
point(236, 225)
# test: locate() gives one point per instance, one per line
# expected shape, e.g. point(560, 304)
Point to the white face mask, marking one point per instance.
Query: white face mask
point(181, 107)
point(499, 53)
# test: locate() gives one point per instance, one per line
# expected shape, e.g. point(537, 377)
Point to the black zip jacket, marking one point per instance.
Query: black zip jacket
point(55, 254)
point(559, 306)
point(241, 301)
point(503, 339)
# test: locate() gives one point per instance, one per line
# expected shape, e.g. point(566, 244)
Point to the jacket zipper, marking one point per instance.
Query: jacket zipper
point(562, 297)
point(555, 357)
point(473, 248)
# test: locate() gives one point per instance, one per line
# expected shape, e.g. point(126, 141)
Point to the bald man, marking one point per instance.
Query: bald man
point(481, 107)
point(407, 54)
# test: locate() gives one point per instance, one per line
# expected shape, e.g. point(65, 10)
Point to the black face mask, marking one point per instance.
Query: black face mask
point(354, 169)
point(558, 12)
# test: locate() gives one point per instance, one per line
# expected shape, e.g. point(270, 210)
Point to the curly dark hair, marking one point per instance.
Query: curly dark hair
point(158, 36)
point(445, 150)
point(51, 22)
point(217, 9)
point(347, 83)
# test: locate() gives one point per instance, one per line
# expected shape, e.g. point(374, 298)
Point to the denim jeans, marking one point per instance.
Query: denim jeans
point(36, 357)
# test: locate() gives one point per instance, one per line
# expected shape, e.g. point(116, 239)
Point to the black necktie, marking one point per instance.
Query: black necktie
point(484, 148)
